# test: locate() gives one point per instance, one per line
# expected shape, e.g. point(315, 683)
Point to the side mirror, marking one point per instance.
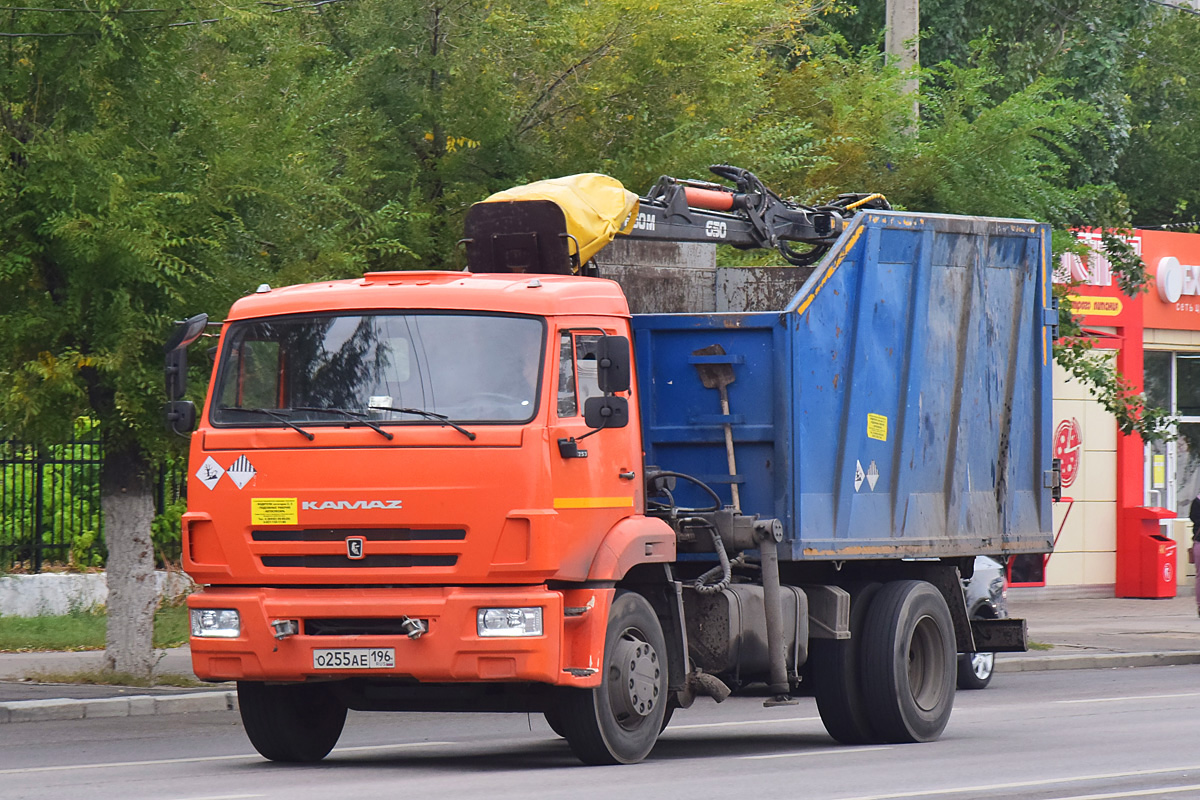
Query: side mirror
point(186, 332)
point(181, 416)
point(606, 412)
point(176, 374)
point(613, 364)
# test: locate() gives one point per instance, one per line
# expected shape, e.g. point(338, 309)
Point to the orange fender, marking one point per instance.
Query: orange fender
point(632, 541)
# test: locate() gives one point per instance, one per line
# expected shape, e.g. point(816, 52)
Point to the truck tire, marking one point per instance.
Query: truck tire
point(837, 675)
point(909, 655)
point(619, 721)
point(975, 670)
point(291, 722)
point(554, 720)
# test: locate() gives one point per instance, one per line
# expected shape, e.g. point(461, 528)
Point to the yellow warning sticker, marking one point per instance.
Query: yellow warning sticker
point(273, 511)
point(877, 427)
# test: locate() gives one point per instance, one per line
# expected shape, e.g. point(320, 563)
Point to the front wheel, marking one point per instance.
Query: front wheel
point(619, 721)
point(975, 670)
point(297, 722)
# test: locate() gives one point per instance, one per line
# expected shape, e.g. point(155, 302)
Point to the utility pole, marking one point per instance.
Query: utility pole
point(901, 41)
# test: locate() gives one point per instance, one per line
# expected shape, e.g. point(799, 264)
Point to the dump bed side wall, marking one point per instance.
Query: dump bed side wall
point(900, 406)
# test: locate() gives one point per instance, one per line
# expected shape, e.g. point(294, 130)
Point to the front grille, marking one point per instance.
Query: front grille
point(369, 534)
point(358, 627)
point(382, 560)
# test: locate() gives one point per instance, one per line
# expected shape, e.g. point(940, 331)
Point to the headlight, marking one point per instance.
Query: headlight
point(223, 623)
point(509, 622)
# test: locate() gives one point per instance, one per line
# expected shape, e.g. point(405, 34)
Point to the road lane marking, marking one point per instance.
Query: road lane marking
point(224, 797)
point(1131, 697)
point(1033, 784)
point(810, 753)
point(704, 725)
point(1133, 793)
point(204, 759)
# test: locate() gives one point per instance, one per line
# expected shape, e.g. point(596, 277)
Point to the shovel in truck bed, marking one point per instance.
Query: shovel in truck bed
point(718, 375)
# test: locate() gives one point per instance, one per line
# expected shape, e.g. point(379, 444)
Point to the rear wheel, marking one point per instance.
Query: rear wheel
point(291, 722)
point(909, 662)
point(837, 676)
point(975, 670)
point(619, 721)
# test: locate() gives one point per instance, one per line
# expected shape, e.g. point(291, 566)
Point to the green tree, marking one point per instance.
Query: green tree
point(481, 95)
point(1160, 170)
point(151, 170)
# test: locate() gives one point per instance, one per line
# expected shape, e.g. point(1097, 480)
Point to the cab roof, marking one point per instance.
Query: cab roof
point(542, 295)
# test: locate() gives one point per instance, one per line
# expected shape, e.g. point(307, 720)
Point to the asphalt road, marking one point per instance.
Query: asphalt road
point(1077, 735)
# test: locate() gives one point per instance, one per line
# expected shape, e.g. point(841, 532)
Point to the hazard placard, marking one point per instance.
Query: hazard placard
point(877, 425)
point(273, 511)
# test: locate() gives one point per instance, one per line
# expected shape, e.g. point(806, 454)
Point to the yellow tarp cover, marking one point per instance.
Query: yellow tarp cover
point(597, 207)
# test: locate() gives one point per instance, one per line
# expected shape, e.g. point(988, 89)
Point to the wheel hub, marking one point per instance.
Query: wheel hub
point(925, 672)
point(982, 664)
point(636, 679)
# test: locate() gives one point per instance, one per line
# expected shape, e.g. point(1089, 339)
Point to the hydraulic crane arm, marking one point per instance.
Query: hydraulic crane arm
point(552, 226)
point(748, 216)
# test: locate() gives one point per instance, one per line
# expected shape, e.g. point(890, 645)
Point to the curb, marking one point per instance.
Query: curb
point(1097, 661)
point(202, 702)
point(132, 706)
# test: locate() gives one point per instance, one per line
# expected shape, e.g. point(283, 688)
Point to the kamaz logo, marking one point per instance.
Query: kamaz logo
point(349, 505)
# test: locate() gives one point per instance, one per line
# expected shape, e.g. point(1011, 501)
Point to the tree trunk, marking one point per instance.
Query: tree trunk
point(127, 498)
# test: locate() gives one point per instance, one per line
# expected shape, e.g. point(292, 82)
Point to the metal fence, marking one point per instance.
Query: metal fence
point(50, 514)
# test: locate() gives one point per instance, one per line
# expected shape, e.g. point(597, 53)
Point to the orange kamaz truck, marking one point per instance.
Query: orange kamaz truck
point(497, 489)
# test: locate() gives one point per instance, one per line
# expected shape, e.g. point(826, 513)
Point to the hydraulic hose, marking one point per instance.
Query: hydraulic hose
point(725, 570)
point(716, 506)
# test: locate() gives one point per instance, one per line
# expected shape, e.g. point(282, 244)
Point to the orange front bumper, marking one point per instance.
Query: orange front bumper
point(567, 653)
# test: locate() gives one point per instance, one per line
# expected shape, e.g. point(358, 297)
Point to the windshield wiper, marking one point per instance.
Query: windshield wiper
point(420, 412)
point(355, 416)
point(273, 415)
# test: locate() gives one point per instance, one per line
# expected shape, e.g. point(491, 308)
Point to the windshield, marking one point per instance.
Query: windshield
point(386, 368)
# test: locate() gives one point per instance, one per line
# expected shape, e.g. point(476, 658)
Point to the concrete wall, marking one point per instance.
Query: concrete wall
point(1086, 551)
point(51, 593)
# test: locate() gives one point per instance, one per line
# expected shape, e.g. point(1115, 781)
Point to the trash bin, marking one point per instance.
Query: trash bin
point(1146, 560)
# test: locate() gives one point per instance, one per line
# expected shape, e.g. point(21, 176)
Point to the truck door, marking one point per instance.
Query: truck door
point(598, 481)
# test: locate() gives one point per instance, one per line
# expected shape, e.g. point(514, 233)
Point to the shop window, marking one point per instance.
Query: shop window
point(1187, 469)
point(1187, 386)
point(1157, 367)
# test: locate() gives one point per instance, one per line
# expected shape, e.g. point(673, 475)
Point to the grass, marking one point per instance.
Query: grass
point(84, 630)
point(108, 677)
point(1040, 646)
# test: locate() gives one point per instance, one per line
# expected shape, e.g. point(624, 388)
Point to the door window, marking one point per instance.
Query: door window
point(577, 378)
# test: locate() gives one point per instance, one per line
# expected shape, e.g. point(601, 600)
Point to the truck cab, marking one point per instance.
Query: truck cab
point(393, 472)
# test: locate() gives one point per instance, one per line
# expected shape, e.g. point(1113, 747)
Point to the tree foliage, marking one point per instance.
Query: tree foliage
point(164, 160)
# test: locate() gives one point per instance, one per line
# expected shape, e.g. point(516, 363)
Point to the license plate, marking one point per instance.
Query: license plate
point(355, 658)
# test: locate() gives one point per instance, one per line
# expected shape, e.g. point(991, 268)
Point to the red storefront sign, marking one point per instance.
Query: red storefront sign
point(1096, 299)
point(1173, 262)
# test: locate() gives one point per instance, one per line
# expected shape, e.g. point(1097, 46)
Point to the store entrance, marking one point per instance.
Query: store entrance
point(1172, 469)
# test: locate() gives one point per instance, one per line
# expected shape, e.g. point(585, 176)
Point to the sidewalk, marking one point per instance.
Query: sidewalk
point(1104, 632)
point(1092, 633)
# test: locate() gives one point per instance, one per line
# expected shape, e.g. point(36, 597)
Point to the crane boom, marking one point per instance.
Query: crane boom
point(530, 229)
